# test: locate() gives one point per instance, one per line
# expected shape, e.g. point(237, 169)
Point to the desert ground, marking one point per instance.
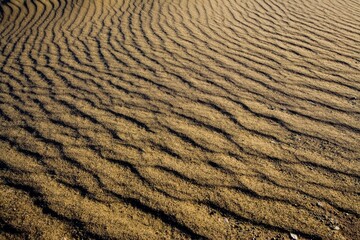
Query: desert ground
point(180, 119)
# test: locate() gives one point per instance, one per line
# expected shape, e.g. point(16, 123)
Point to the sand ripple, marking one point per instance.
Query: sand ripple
point(206, 119)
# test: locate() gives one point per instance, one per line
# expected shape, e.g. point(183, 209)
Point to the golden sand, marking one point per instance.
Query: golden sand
point(180, 119)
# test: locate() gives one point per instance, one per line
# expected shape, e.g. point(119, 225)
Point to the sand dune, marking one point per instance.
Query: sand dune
point(179, 119)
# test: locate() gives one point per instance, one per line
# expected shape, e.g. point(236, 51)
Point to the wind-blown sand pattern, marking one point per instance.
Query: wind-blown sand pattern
point(177, 119)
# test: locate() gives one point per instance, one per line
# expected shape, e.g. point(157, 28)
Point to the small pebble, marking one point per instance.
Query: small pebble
point(294, 236)
point(336, 228)
point(319, 204)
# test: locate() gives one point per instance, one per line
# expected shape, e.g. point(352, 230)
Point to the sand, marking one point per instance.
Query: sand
point(180, 119)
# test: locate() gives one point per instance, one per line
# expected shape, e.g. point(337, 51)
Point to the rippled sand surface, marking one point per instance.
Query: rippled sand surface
point(180, 119)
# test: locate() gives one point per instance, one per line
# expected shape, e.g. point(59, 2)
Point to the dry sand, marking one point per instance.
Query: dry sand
point(177, 119)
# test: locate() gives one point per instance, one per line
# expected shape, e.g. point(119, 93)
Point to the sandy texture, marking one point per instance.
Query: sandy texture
point(177, 119)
